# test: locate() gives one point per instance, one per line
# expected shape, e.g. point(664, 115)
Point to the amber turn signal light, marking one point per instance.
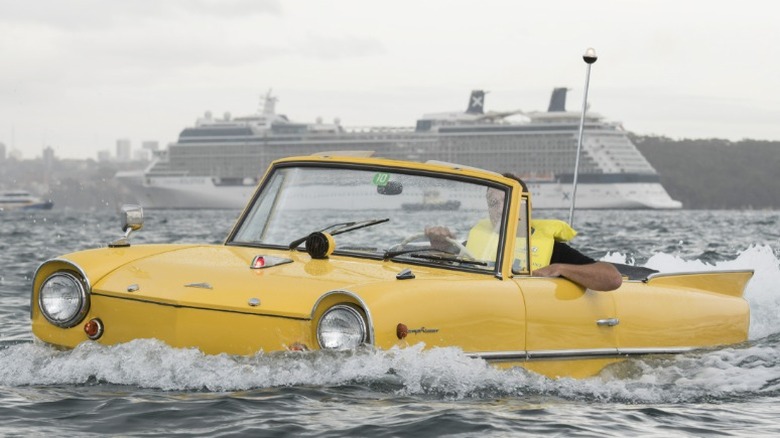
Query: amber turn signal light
point(94, 328)
point(401, 330)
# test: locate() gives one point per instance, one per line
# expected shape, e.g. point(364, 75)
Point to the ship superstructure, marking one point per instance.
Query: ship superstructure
point(217, 162)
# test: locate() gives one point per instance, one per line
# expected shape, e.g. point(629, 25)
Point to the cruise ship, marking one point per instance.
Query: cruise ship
point(217, 163)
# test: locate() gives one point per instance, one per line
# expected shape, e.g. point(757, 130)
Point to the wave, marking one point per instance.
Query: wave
point(725, 375)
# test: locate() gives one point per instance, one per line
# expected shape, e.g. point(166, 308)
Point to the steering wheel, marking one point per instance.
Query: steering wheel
point(462, 250)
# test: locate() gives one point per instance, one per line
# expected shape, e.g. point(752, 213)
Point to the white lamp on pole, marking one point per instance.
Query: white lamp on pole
point(589, 57)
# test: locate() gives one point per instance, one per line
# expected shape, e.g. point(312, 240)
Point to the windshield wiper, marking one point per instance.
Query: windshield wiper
point(341, 227)
point(453, 259)
point(391, 254)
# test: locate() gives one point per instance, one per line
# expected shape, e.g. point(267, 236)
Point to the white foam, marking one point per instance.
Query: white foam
point(441, 372)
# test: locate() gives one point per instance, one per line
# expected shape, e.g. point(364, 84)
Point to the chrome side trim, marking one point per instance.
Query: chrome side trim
point(500, 355)
point(677, 274)
point(662, 350)
point(572, 354)
point(370, 319)
point(597, 353)
point(208, 309)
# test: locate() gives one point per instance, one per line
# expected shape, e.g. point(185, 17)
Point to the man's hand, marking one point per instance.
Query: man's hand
point(438, 236)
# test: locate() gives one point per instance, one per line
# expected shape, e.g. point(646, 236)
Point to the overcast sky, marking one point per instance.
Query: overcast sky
point(77, 75)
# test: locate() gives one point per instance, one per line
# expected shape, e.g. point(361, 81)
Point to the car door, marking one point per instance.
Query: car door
point(563, 319)
point(566, 321)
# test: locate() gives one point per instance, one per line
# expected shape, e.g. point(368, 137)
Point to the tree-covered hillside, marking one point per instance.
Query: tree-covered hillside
point(716, 173)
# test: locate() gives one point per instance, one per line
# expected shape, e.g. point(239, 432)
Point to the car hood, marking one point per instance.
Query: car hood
point(221, 277)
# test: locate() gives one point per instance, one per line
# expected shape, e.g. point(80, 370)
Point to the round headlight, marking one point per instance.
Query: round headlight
point(340, 328)
point(63, 300)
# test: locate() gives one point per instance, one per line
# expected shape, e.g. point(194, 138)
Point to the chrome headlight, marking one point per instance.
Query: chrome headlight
point(341, 328)
point(63, 299)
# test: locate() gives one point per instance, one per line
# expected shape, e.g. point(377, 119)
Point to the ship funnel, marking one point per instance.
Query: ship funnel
point(476, 102)
point(558, 100)
point(269, 104)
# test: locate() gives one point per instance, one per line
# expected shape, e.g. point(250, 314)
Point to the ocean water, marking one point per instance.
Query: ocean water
point(145, 388)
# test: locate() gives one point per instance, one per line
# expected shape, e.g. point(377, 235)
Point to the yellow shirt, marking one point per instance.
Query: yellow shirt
point(483, 241)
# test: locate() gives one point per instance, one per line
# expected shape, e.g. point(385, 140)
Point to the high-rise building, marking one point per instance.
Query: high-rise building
point(48, 156)
point(104, 156)
point(2, 152)
point(123, 150)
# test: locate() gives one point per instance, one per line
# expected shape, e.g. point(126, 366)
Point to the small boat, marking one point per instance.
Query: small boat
point(22, 200)
point(432, 201)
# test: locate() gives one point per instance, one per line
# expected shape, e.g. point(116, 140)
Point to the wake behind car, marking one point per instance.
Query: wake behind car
point(331, 254)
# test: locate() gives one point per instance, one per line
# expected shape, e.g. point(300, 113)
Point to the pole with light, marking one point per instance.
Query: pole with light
point(589, 57)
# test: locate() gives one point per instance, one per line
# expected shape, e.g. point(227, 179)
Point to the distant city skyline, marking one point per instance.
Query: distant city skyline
point(78, 76)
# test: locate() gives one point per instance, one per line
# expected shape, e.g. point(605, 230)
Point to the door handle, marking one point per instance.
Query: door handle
point(609, 322)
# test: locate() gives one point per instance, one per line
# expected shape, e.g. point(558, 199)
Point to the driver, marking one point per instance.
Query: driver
point(551, 257)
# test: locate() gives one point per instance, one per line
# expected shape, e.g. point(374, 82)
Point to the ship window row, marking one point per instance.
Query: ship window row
point(541, 153)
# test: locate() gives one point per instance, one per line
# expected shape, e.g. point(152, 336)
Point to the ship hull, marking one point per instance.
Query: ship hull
point(43, 205)
point(185, 192)
point(603, 196)
point(203, 193)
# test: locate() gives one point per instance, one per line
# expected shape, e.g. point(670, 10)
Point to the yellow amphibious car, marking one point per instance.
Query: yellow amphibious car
point(329, 254)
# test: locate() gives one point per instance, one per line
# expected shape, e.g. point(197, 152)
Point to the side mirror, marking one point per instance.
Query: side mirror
point(132, 217)
point(391, 188)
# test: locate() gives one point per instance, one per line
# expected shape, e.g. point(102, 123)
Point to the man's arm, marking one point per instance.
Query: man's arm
point(599, 276)
point(569, 263)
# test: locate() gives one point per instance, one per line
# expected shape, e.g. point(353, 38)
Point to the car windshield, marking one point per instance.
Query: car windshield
point(376, 213)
